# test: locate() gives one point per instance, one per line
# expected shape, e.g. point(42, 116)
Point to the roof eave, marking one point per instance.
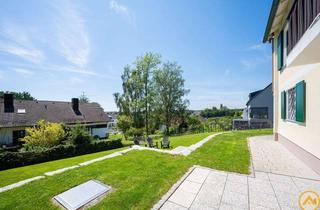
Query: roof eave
point(272, 14)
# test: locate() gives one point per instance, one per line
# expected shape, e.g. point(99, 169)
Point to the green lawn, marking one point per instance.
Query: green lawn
point(139, 178)
point(17, 174)
point(186, 140)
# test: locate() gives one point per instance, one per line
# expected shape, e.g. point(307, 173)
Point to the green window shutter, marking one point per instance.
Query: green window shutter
point(280, 50)
point(301, 101)
point(283, 105)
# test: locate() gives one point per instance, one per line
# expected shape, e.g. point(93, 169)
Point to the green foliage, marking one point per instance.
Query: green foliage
point(124, 123)
point(221, 123)
point(19, 95)
point(221, 112)
point(44, 134)
point(194, 123)
point(15, 159)
point(83, 98)
point(79, 135)
point(152, 94)
point(170, 93)
point(137, 89)
point(135, 132)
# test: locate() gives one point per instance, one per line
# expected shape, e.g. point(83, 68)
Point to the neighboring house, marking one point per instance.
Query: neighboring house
point(293, 29)
point(258, 112)
point(112, 124)
point(16, 115)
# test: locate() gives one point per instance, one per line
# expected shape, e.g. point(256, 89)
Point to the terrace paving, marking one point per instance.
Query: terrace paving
point(277, 180)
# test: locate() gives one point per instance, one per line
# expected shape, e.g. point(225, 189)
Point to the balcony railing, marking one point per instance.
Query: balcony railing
point(301, 16)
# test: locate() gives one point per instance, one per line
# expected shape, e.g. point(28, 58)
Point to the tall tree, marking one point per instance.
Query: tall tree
point(136, 85)
point(170, 92)
point(130, 102)
point(147, 64)
point(83, 98)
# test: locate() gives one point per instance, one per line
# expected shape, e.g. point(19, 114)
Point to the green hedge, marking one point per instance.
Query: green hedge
point(16, 159)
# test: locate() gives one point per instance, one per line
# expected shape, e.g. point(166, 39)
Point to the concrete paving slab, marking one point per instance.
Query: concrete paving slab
point(271, 156)
point(172, 206)
point(259, 185)
point(192, 187)
point(237, 178)
point(182, 198)
point(235, 199)
point(198, 175)
point(237, 187)
point(263, 199)
point(200, 206)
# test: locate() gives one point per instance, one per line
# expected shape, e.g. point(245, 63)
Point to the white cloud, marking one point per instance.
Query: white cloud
point(258, 47)
point(32, 55)
point(72, 35)
point(75, 80)
point(253, 62)
point(123, 11)
point(258, 54)
point(23, 71)
point(19, 42)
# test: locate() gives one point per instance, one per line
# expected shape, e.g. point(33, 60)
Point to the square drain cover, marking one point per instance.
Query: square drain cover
point(81, 195)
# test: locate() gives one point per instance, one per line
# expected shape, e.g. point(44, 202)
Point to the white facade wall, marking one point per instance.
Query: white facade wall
point(303, 63)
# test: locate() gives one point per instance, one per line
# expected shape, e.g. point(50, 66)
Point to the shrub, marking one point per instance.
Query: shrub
point(44, 134)
point(124, 123)
point(16, 159)
point(79, 135)
point(135, 132)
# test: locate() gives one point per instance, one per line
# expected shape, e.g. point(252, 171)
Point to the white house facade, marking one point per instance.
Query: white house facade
point(294, 31)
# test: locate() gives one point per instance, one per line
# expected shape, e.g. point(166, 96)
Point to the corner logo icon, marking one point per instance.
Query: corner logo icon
point(309, 200)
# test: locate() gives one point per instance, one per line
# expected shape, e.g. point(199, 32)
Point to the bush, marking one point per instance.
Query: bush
point(135, 132)
point(44, 134)
point(79, 135)
point(17, 159)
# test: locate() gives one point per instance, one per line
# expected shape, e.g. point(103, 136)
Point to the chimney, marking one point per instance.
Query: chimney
point(75, 106)
point(8, 102)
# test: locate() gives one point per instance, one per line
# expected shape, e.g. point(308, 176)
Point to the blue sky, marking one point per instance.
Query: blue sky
point(58, 49)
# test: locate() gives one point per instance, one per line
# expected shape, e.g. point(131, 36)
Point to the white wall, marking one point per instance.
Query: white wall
point(306, 135)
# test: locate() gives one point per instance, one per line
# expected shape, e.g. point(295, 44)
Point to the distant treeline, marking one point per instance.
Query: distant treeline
point(221, 112)
point(19, 95)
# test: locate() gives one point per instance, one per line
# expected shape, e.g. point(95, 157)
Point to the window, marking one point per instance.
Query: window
point(280, 51)
point(16, 135)
point(259, 113)
point(291, 104)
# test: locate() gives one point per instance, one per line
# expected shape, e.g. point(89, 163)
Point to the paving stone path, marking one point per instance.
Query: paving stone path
point(208, 189)
point(271, 156)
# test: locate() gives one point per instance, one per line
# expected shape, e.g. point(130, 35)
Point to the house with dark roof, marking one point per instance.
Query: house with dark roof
point(16, 115)
point(259, 110)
